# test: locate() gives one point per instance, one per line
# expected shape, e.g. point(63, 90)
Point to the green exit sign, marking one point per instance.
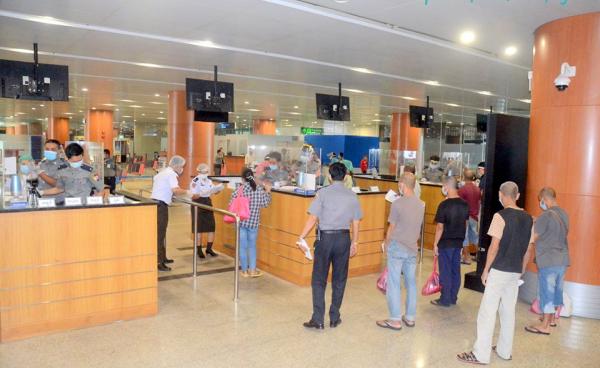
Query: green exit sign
point(311, 131)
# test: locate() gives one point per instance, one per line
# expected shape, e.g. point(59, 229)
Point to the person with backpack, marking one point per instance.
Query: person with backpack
point(552, 258)
point(259, 197)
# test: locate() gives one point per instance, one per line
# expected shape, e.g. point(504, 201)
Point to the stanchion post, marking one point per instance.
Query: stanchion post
point(236, 277)
point(195, 268)
point(422, 240)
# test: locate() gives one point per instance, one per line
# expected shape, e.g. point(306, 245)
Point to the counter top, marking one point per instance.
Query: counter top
point(369, 177)
point(130, 200)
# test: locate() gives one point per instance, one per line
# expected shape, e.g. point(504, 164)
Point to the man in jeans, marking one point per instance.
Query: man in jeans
point(508, 254)
point(451, 217)
point(552, 258)
point(471, 194)
point(406, 218)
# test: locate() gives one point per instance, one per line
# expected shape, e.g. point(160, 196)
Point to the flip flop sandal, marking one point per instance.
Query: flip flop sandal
point(408, 323)
point(386, 324)
point(534, 330)
point(551, 324)
point(469, 358)
point(496, 351)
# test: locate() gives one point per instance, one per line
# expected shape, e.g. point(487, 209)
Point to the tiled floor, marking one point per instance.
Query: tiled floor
point(204, 328)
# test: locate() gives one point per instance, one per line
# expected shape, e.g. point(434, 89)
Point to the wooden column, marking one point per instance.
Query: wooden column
point(193, 140)
point(10, 130)
point(564, 136)
point(99, 127)
point(21, 129)
point(403, 137)
point(265, 127)
point(58, 129)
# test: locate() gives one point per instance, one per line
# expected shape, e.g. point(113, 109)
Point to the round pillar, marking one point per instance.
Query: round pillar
point(99, 127)
point(264, 127)
point(564, 148)
point(58, 129)
point(403, 137)
point(193, 140)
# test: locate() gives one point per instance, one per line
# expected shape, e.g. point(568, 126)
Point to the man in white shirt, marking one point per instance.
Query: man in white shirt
point(165, 185)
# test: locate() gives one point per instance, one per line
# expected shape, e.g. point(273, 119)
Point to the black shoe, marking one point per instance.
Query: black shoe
point(438, 302)
point(313, 324)
point(211, 252)
point(169, 260)
point(334, 324)
point(200, 254)
point(163, 267)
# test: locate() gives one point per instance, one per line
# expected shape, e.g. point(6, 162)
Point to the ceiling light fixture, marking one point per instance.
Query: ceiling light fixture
point(161, 112)
point(362, 70)
point(108, 104)
point(526, 100)
point(246, 103)
point(432, 83)
point(156, 95)
point(156, 103)
point(452, 104)
point(135, 106)
point(149, 65)
point(93, 108)
point(205, 43)
point(254, 110)
point(84, 89)
point(294, 113)
point(295, 107)
point(42, 105)
point(510, 51)
point(68, 113)
point(126, 100)
point(354, 90)
point(467, 37)
point(408, 98)
point(33, 108)
point(485, 93)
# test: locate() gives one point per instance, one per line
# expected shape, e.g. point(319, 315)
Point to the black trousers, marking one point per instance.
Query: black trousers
point(332, 250)
point(163, 222)
point(111, 181)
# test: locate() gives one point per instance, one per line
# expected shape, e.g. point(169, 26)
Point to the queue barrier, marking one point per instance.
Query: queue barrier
point(236, 277)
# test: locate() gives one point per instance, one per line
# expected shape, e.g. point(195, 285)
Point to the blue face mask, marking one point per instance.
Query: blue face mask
point(543, 205)
point(25, 169)
point(76, 165)
point(50, 155)
point(273, 167)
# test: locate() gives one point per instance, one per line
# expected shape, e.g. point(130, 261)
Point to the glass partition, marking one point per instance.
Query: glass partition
point(389, 164)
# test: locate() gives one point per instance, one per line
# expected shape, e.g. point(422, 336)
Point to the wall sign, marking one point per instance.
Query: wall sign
point(311, 131)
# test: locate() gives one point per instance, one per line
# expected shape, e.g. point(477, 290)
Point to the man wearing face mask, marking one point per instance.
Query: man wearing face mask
point(49, 166)
point(451, 218)
point(433, 173)
point(405, 220)
point(27, 172)
point(164, 185)
point(109, 171)
point(75, 178)
point(275, 172)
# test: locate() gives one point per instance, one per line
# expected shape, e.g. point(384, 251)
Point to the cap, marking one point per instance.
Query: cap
point(25, 157)
point(203, 168)
point(481, 164)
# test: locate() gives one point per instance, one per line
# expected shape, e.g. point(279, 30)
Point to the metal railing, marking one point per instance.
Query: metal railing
point(236, 277)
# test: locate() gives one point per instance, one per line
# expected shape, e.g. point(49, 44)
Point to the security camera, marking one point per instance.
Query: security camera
point(563, 80)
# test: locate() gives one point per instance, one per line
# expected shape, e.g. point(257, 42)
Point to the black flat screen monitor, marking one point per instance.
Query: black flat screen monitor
point(17, 81)
point(201, 95)
point(211, 117)
point(482, 121)
point(328, 107)
point(420, 117)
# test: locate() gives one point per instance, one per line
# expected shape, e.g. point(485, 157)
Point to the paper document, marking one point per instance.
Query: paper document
point(301, 243)
point(217, 189)
point(520, 282)
point(391, 196)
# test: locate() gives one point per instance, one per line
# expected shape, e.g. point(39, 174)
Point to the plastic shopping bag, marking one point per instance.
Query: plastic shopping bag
point(382, 281)
point(240, 206)
point(432, 286)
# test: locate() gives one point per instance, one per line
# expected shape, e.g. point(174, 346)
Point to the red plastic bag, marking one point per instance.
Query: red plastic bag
point(382, 281)
point(240, 206)
point(432, 286)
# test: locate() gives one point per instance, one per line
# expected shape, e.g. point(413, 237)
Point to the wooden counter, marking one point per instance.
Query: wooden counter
point(431, 194)
point(64, 268)
point(281, 225)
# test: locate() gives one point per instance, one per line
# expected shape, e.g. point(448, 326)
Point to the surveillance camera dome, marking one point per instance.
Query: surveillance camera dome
point(562, 82)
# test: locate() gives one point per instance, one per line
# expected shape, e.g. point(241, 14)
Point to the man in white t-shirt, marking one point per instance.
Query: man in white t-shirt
point(165, 185)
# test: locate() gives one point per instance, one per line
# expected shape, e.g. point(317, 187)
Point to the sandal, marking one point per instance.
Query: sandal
point(553, 324)
point(407, 322)
point(386, 324)
point(535, 330)
point(496, 351)
point(469, 358)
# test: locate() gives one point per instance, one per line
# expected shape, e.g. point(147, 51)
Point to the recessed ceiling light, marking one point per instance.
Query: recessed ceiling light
point(68, 113)
point(157, 95)
point(161, 118)
point(362, 70)
point(126, 100)
point(93, 108)
point(294, 113)
point(246, 103)
point(80, 110)
point(143, 114)
point(510, 51)
point(354, 90)
point(71, 97)
point(432, 83)
point(408, 98)
point(84, 89)
point(452, 104)
point(33, 108)
point(295, 107)
point(109, 104)
point(135, 106)
point(157, 103)
point(341, 1)
point(116, 109)
point(376, 120)
point(486, 93)
point(526, 100)
point(149, 65)
point(161, 112)
point(42, 105)
point(254, 110)
point(205, 43)
point(126, 116)
point(376, 114)
point(467, 37)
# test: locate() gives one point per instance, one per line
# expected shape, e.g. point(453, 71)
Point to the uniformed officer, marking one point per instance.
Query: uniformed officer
point(110, 171)
point(335, 209)
point(433, 172)
point(48, 168)
point(75, 178)
point(201, 189)
point(164, 185)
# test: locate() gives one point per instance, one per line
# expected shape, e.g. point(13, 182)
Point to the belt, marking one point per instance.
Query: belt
point(343, 231)
point(161, 203)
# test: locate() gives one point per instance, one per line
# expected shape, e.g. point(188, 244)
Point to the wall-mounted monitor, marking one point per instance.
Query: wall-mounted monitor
point(211, 117)
point(22, 80)
point(482, 121)
point(209, 96)
point(420, 117)
point(329, 107)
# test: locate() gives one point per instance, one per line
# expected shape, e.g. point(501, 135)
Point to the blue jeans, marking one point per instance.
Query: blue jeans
point(401, 260)
point(471, 236)
point(550, 280)
point(449, 261)
point(248, 248)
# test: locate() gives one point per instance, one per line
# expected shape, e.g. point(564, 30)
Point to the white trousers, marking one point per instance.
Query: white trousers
point(500, 296)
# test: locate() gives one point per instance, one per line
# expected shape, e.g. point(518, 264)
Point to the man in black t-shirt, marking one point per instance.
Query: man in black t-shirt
point(451, 217)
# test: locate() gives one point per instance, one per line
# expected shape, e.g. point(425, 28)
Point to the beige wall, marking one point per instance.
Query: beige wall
point(144, 144)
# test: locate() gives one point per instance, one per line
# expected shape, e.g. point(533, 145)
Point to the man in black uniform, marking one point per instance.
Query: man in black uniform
point(335, 209)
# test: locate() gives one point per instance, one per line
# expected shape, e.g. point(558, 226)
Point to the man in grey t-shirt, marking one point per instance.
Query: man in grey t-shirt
point(406, 218)
point(552, 258)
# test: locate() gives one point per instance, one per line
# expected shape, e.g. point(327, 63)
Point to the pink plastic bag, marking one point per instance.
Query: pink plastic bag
point(432, 286)
point(382, 281)
point(240, 206)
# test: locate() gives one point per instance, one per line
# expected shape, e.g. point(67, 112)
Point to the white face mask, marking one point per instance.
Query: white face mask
point(543, 205)
point(202, 176)
point(434, 165)
point(444, 191)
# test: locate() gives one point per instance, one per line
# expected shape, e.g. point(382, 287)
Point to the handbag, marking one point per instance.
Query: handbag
point(240, 205)
point(432, 285)
point(382, 281)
